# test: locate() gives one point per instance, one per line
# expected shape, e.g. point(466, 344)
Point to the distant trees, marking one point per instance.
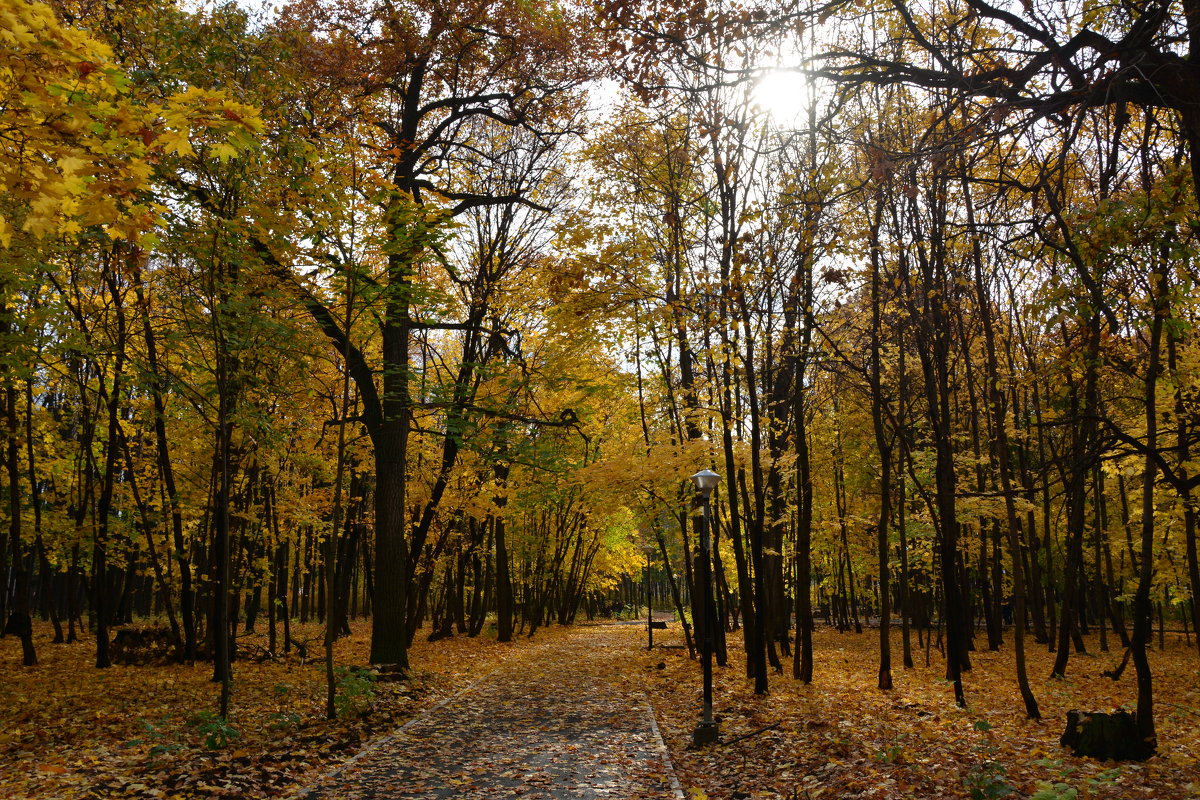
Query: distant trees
point(1092, 105)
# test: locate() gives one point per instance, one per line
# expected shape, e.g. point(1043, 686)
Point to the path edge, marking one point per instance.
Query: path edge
point(672, 775)
point(306, 792)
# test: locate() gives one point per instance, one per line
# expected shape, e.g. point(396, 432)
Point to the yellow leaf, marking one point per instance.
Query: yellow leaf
point(224, 151)
point(71, 164)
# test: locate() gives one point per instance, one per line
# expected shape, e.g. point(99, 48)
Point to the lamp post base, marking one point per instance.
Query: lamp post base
point(706, 733)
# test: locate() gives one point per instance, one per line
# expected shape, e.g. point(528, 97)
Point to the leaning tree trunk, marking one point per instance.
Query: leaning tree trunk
point(1141, 598)
point(928, 305)
point(1075, 475)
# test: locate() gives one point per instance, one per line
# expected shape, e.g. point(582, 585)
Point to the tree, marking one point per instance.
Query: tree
point(1003, 61)
point(427, 80)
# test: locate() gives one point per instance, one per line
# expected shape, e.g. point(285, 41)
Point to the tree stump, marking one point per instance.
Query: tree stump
point(1105, 736)
point(142, 646)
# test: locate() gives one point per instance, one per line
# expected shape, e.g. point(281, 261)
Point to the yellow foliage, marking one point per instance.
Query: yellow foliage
point(78, 148)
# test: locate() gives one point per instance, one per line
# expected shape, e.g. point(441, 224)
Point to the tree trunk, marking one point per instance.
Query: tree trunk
point(20, 621)
point(884, 448)
point(1001, 451)
point(1141, 599)
point(166, 471)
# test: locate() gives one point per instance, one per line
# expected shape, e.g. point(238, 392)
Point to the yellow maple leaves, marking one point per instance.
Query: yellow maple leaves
point(78, 148)
point(46, 72)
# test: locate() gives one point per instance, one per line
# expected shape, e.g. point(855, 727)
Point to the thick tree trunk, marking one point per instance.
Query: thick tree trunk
point(389, 435)
point(20, 621)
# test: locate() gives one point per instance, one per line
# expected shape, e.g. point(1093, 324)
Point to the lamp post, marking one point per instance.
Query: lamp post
point(705, 481)
point(649, 551)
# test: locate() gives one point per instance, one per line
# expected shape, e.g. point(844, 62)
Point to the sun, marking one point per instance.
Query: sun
point(783, 94)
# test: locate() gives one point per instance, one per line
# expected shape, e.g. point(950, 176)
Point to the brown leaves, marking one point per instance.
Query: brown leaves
point(882, 164)
point(68, 730)
point(841, 737)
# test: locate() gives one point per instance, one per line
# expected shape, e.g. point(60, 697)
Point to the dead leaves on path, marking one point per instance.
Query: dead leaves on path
point(555, 722)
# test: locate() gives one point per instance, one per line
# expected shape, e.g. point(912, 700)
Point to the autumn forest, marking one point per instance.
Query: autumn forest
point(406, 323)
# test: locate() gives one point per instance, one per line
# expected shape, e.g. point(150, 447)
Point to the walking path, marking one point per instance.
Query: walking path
point(556, 723)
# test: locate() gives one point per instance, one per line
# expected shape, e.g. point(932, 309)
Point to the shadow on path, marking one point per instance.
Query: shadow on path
point(556, 722)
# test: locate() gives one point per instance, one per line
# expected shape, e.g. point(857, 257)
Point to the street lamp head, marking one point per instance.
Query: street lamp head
point(705, 481)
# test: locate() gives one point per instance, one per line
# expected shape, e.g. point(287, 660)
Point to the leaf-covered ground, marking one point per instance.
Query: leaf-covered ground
point(70, 731)
point(842, 738)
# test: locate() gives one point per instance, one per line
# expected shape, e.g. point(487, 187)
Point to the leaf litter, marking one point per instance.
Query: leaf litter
point(843, 738)
point(567, 715)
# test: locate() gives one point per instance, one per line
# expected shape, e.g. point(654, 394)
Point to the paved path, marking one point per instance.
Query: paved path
point(555, 723)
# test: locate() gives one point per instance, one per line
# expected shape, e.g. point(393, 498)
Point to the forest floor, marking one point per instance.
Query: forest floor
point(70, 731)
point(841, 737)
